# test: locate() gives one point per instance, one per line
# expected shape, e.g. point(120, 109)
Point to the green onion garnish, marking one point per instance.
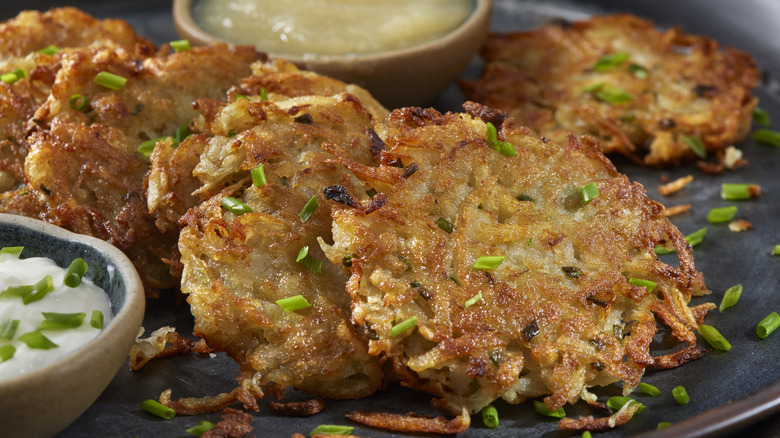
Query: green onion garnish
point(694, 142)
point(258, 175)
point(445, 225)
point(488, 262)
point(61, 321)
point(501, 147)
point(680, 395)
point(13, 250)
point(589, 192)
point(614, 95)
point(542, 409)
point(78, 267)
point(768, 325)
point(96, 320)
point(182, 132)
point(201, 428)
point(663, 425)
point(235, 206)
point(308, 209)
point(146, 148)
point(7, 352)
point(293, 303)
point(714, 338)
point(649, 389)
point(49, 50)
point(776, 250)
point(767, 137)
point(617, 402)
point(608, 62)
point(650, 285)
point(730, 297)
point(473, 300)
point(719, 215)
point(78, 102)
point(16, 291)
point(332, 429)
point(403, 326)
point(693, 239)
point(241, 96)
point(309, 262)
point(263, 94)
point(158, 409)
point(110, 80)
point(490, 417)
point(737, 192)
point(638, 71)
point(181, 45)
point(10, 78)
point(40, 289)
point(761, 116)
point(594, 87)
point(8, 328)
point(587, 434)
point(37, 340)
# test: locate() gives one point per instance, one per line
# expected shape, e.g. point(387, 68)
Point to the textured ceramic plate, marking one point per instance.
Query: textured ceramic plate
point(729, 391)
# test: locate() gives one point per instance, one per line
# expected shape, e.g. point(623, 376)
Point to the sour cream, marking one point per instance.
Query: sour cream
point(85, 298)
point(333, 27)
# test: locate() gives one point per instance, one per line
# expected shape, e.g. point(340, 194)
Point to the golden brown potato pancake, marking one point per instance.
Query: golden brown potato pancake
point(642, 92)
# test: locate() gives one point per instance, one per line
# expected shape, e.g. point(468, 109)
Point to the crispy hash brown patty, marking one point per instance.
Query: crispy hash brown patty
point(557, 315)
point(642, 92)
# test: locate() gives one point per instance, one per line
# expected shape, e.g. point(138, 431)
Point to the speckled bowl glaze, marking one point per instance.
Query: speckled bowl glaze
point(408, 77)
point(44, 402)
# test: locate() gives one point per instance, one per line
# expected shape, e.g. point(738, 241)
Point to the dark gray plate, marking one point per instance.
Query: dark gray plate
point(731, 393)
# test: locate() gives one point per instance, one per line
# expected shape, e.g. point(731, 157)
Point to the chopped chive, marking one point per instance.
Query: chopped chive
point(488, 262)
point(10, 77)
point(502, 147)
point(572, 271)
point(146, 148)
point(587, 434)
point(16, 291)
point(649, 389)
point(767, 137)
point(308, 209)
point(694, 142)
point(96, 320)
point(158, 409)
point(617, 402)
point(110, 80)
point(776, 250)
point(231, 133)
point(663, 425)
point(638, 71)
point(235, 206)
point(7, 352)
point(542, 409)
point(13, 250)
point(761, 116)
point(650, 285)
point(258, 175)
point(181, 45)
point(371, 192)
point(611, 61)
point(78, 267)
point(39, 290)
point(768, 325)
point(524, 198)
point(263, 94)
point(589, 192)
point(37, 340)
point(309, 262)
point(719, 215)
point(49, 50)
point(332, 429)
point(347, 260)
point(403, 326)
point(182, 132)
point(473, 300)
point(293, 303)
point(693, 239)
point(614, 95)
point(78, 102)
point(8, 328)
point(714, 338)
point(201, 428)
point(738, 192)
point(241, 96)
point(61, 321)
point(445, 225)
point(490, 417)
point(594, 87)
point(730, 297)
point(680, 395)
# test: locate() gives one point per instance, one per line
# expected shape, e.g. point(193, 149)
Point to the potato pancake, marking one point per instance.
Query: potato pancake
point(661, 97)
point(505, 265)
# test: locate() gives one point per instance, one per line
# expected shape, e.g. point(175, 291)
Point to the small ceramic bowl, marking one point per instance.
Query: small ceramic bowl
point(407, 77)
point(43, 402)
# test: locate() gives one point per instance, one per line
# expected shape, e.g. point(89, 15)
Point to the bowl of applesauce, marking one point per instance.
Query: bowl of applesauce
point(405, 52)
